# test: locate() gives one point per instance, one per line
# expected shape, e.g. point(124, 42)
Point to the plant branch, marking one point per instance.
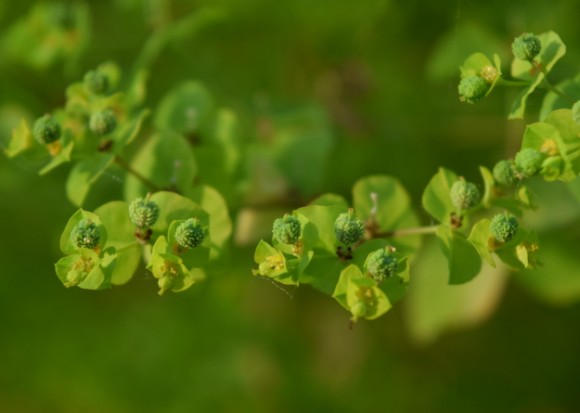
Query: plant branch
point(119, 161)
point(554, 89)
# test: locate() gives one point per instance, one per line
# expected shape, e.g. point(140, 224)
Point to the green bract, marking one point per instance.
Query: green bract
point(96, 82)
point(527, 46)
point(348, 228)
point(528, 162)
point(86, 234)
point(46, 129)
point(503, 227)
point(286, 230)
point(190, 234)
point(103, 123)
point(381, 264)
point(143, 213)
point(464, 195)
point(472, 89)
point(504, 173)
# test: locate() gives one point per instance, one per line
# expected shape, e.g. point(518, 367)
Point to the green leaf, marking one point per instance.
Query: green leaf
point(323, 217)
point(436, 199)
point(66, 244)
point(130, 130)
point(330, 200)
point(121, 236)
point(220, 224)
point(323, 271)
point(184, 109)
point(166, 160)
point(361, 290)
point(480, 239)
point(462, 258)
point(383, 200)
point(301, 148)
point(84, 175)
point(218, 152)
point(519, 253)
point(20, 141)
point(552, 50)
point(553, 101)
point(434, 307)
point(64, 154)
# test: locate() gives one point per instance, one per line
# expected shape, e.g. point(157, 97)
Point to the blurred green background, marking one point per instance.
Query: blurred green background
point(385, 74)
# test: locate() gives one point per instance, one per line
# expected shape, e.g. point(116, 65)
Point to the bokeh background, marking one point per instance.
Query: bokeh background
point(383, 73)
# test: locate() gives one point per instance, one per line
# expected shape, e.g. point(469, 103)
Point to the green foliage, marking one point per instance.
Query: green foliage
point(194, 162)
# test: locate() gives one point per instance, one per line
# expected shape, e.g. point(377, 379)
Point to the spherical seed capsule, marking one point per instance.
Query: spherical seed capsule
point(527, 46)
point(528, 162)
point(504, 173)
point(96, 82)
point(85, 234)
point(464, 195)
point(348, 228)
point(46, 130)
point(103, 123)
point(472, 89)
point(143, 213)
point(503, 227)
point(286, 230)
point(190, 233)
point(381, 264)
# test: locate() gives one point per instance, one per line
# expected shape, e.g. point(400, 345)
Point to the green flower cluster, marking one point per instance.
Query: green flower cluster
point(348, 228)
point(190, 233)
point(286, 230)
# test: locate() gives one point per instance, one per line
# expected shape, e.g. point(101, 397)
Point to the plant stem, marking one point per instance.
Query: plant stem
point(119, 161)
point(511, 82)
point(554, 89)
point(408, 231)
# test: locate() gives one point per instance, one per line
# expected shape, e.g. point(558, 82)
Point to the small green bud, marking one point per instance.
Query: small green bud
point(348, 228)
point(503, 227)
point(85, 234)
point(46, 129)
point(286, 230)
point(472, 89)
point(527, 46)
point(104, 122)
point(528, 162)
point(96, 82)
point(143, 213)
point(464, 195)
point(504, 173)
point(381, 264)
point(190, 233)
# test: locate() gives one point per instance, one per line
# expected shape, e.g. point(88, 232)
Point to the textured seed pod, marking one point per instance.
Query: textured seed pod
point(381, 264)
point(348, 228)
point(96, 82)
point(103, 123)
point(503, 227)
point(472, 89)
point(464, 195)
point(527, 46)
point(528, 162)
point(286, 230)
point(504, 173)
point(85, 234)
point(190, 233)
point(143, 213)
point(46, 130)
